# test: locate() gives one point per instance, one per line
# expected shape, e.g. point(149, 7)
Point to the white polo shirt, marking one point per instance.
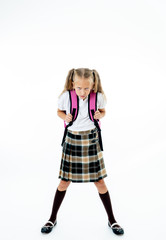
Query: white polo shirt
point(82, 122)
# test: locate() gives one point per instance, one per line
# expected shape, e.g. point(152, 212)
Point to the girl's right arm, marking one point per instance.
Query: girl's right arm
point(62, 114)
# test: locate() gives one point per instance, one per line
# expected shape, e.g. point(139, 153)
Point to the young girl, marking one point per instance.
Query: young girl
point(82, 159)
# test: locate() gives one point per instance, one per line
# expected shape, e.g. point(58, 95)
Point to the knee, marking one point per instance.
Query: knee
point(100, 183)
point(63, 185)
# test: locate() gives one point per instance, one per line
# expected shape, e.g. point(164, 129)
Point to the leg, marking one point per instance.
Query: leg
point(104, 195)
point(59, 195)
point(63, 185)
point(101, 186)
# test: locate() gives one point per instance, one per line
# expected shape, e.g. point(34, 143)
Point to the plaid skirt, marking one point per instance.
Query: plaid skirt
point(82, 158)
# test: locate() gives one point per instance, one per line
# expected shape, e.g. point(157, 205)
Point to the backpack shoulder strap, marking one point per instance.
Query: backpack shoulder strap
point(92, 106)
point(74, 105)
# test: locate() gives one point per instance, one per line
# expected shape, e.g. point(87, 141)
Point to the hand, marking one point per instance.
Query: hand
point(68, 118)
point(97, 115)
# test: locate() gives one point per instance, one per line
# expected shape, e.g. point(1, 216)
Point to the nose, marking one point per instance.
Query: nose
point(82, 93)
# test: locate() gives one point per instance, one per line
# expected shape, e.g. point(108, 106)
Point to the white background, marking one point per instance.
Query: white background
point(40, 41)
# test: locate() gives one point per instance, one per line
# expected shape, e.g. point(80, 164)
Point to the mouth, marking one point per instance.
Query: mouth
point(82, 96)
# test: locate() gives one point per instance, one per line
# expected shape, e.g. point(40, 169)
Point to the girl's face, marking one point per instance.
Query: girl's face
point(82, 86)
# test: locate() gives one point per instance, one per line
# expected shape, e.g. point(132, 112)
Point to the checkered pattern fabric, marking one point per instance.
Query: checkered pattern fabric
point(82, 158)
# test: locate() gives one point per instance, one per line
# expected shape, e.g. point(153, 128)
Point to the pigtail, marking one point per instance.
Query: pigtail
point(69, 80)
point(68, 83)
point(97, 83)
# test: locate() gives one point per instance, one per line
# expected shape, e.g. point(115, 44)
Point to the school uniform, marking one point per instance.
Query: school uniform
point(82, 158)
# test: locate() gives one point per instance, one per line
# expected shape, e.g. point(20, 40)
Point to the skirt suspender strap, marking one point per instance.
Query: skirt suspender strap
point(65, 132)
point(99, 134)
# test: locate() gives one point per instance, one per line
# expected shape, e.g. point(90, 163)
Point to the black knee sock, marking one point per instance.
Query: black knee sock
point(108, 207)
point(59, 195)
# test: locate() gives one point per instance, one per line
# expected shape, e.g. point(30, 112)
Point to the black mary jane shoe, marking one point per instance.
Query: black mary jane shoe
point(48, 229)
point(117, 230)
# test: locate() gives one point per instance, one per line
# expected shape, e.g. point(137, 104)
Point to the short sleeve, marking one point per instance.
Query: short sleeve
point(101, 101)
point(62, 99)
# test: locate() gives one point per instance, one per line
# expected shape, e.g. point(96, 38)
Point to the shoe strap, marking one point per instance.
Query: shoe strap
point(50, 222)
point(114, 224)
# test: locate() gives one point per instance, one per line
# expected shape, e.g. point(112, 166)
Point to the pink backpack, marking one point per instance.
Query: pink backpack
point(74, 108)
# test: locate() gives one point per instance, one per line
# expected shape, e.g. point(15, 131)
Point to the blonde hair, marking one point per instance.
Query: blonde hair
point(83, 73)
